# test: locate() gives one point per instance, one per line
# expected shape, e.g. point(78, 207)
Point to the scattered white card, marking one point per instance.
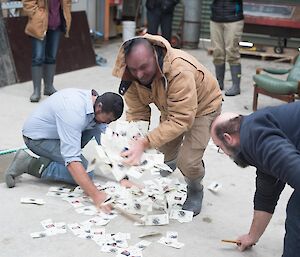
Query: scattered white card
point(29, 200)
point(215, 187)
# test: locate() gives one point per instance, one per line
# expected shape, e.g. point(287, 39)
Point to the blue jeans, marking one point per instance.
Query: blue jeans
point(50, 148)
point(292, 227)
point(45, 51)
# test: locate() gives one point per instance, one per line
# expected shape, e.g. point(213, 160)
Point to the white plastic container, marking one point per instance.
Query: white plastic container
point(128, 30)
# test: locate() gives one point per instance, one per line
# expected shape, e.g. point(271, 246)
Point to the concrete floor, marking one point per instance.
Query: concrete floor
point(225, 215)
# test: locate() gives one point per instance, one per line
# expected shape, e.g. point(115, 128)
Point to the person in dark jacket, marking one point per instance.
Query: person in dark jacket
point(226, 28)
point(268, 140)
point(160, 13)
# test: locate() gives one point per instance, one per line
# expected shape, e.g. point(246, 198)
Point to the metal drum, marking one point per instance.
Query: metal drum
point(191, 23)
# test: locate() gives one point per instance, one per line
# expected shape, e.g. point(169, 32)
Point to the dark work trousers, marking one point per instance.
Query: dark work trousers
point(292, 227)
point(156, 17)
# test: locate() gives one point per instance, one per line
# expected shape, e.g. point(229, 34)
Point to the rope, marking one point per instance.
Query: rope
point(3, 152)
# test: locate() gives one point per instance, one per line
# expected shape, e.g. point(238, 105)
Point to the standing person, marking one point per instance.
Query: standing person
point(160, 13)
point(188, 97)
point(226, 28)
point(268, 140)
point(46, 20)
point(57, 131)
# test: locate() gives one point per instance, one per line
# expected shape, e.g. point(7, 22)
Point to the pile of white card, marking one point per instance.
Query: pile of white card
point(158, 201)
point(114, 142)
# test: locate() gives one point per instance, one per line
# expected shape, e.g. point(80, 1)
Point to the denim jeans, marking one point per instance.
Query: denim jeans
point(50, 148)
point(45, 51)
point(292, 227)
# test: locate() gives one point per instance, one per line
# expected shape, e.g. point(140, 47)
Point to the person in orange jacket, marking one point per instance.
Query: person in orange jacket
point(188, 97)
point(47, 19)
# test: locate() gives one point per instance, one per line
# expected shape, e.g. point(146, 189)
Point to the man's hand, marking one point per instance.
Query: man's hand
point(245, 242)
point(83, 180)
point(134, 154)
point(99, 201)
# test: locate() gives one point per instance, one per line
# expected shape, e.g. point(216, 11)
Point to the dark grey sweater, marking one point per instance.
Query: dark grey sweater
point(270, 141)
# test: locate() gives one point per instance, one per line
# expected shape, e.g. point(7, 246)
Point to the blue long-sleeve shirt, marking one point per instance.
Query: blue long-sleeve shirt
point(270, 141)
point(66, 115)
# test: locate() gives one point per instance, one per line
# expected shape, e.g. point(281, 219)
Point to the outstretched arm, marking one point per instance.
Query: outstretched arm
point(260, 221)
point(83, 180)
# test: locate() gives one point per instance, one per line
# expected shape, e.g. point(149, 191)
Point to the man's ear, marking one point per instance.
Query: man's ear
point(99, 107)
point(228, 138)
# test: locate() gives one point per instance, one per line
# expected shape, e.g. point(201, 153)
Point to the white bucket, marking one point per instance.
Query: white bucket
point(128, 30)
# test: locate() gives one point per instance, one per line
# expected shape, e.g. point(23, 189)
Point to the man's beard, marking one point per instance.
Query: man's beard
point(147, 83)
point(237, 157)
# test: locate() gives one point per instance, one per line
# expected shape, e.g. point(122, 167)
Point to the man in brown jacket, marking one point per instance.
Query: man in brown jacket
point(188, 97)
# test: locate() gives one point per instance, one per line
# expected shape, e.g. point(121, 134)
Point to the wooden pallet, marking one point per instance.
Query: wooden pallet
point(267, 53)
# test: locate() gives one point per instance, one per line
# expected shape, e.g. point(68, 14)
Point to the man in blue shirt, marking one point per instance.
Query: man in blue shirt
point(268, 140)
point(57, 131)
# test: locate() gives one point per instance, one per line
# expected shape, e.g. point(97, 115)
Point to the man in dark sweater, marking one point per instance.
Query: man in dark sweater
point(226, 28)
point(269, 140)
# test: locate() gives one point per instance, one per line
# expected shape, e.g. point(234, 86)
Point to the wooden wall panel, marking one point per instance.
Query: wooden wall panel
point(75, 52)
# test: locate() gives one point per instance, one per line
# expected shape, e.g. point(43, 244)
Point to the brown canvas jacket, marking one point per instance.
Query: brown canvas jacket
point(30, 8)
point(185, 89)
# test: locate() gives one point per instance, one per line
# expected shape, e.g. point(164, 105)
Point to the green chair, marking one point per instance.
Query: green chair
point(286, 90)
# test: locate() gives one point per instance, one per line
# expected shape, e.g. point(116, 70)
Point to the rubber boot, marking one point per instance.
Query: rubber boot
point(172, 165)
point(220, 73)
point(194, 197)
point(236, 80)
point(25, 163)
point(37, 73)
point(49, 72)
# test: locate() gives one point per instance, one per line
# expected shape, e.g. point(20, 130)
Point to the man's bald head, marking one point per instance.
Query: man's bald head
point(222, 120)
point(225, 132)
point(141, 60)
point(137, 44)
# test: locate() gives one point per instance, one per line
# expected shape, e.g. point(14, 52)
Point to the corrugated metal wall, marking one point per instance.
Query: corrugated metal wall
point(205, 33)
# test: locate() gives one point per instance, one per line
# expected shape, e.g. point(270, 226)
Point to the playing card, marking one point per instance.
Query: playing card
point(130, 252)
point(40, 234)
point(156, 220)
point(57, 194)
point(60, 227)
point(49, 225)
point(87, 210)
point(75, 228)
point(96, 221)
point(175, 244)
point(215, 187)
point(172, 235)
point(75, 202)
point(109, 248)
point(92, 165)
point(181, 215)
point(98, 233)
point(142, 244)
point(78, 190)
point(29, 200)
point(139, 207)
point(59, 189)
